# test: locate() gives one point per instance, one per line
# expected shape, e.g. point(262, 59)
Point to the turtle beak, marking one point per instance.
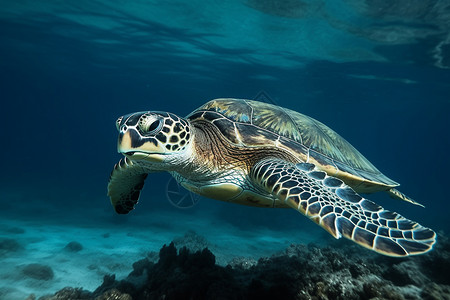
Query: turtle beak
point(144, 151)
point(151, 157)
point(124, 142)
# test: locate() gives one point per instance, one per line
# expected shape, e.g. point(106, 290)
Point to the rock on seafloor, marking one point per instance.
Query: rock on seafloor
point(73, 247)
point(299, 272)
point(38, 271)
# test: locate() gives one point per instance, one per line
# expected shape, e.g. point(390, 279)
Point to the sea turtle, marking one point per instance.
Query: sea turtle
point(259, 154)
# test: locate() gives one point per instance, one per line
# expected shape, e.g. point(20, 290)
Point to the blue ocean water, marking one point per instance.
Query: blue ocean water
point(377, 72)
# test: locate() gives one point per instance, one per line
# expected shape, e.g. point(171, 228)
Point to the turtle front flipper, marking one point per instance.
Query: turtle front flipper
point(332, 204)
point(125, 184)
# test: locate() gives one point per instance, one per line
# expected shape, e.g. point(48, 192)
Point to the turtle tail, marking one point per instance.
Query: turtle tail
point(396, 194)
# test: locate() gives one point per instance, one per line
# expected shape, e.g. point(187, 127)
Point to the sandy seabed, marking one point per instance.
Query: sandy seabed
point(103, 256)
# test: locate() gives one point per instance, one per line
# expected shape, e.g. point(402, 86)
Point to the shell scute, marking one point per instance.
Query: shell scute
point(258, 124)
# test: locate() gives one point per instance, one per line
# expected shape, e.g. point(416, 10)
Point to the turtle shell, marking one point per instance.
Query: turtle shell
point(249, 123)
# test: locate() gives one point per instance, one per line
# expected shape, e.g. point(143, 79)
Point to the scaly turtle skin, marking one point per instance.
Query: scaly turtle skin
point(259, 154)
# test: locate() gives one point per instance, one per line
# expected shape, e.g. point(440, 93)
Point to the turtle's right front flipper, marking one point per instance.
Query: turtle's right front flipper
point(332, 204)
point(125, 184)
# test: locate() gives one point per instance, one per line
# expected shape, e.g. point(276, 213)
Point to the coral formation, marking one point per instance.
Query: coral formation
point(298, 272)
point(192, 241)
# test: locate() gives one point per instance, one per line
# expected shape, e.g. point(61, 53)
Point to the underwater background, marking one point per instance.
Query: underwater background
point(377, 72)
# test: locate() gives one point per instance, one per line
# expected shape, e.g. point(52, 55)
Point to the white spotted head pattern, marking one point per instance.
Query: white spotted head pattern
point(152, 135)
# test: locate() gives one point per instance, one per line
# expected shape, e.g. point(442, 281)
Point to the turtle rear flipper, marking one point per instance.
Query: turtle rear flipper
point(125, 184)
point(332, 204)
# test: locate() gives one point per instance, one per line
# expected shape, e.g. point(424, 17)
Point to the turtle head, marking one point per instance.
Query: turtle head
point(155, 137)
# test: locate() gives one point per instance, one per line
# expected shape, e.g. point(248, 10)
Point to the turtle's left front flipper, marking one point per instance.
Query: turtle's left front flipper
point(332, 204)
point(125, 184)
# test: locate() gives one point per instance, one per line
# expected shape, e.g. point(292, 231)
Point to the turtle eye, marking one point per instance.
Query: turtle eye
point(149, 124)
point(154, 126)
point(118, 121)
